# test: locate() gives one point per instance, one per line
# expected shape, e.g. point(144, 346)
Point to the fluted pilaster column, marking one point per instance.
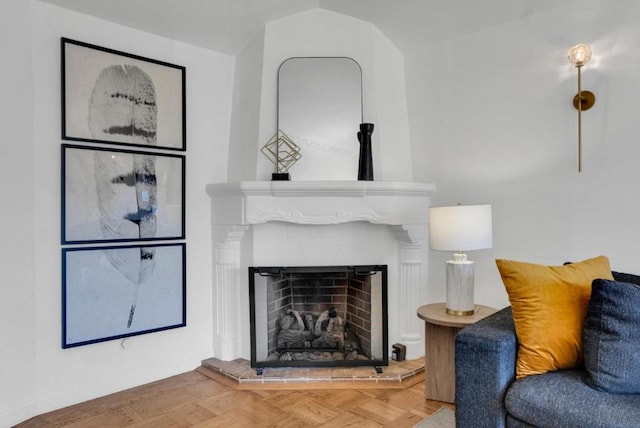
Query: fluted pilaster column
point(411, 286)
point(227, 282)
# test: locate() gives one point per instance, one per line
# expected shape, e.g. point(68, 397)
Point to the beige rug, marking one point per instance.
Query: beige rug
point(444, 417)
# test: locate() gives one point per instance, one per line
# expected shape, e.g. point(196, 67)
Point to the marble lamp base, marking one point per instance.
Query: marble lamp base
point(460, 273)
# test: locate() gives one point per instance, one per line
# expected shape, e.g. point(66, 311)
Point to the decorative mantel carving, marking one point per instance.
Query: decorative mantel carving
point(236, 207)
point(320, 202)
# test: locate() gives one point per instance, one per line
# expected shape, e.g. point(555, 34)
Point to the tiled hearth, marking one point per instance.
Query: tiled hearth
point(240, 374)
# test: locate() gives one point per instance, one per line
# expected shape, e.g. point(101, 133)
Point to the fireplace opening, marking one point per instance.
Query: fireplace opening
point(318, 316)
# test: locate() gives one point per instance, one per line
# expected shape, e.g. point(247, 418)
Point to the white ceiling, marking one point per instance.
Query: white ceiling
point(227, 25)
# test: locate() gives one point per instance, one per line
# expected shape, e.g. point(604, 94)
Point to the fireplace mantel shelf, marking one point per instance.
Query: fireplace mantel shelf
point(319, 202)
point(321, 188)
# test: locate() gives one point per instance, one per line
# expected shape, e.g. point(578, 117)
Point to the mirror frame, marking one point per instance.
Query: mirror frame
point(279, 99)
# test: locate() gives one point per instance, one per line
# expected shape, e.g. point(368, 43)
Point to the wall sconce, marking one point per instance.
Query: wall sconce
point(579, 55)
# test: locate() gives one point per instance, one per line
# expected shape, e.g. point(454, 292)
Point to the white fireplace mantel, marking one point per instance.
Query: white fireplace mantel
point(320, 202)
point(237, 207)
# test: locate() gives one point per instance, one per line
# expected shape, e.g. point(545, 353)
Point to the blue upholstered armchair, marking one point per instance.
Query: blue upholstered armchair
point(488, 395)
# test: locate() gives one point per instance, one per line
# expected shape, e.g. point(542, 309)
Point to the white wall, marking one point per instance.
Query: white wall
point(320, 32)
point(37, 374)
point(492, 122)
point(17, 251)
point(245, 119)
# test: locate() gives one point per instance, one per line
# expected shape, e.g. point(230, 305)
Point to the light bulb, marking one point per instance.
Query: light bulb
point(579, 55)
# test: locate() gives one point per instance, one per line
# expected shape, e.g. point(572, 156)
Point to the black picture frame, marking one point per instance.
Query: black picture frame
point(114, 97)
point(113, 292)
point(115, 195)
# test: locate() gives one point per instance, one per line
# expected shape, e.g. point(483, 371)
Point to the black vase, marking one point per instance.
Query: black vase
point(365, 164)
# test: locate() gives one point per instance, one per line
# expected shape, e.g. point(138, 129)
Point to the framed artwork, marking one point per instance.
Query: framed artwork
point(112, 195)
point(114, 292)
point(119, 98)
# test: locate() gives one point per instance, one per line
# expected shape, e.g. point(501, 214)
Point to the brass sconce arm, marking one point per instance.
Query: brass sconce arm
point(579, 55)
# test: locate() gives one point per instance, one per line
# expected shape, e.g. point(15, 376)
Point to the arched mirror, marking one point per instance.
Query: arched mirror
point(320, 110)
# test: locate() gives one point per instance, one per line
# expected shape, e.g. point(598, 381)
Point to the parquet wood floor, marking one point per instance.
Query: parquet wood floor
point(195, 400)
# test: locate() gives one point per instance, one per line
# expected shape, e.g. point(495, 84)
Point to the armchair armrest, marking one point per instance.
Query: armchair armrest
point(485, 368)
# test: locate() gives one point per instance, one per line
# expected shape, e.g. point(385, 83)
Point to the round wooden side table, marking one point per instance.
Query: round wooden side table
point(440, 335)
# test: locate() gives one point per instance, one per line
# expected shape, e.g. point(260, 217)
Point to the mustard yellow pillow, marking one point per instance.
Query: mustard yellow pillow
point(549, 306)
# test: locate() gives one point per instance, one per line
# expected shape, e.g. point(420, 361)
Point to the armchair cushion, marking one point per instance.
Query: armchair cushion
point(612, 337)
point(563, 399)
point(549, 308)
point(626, 277)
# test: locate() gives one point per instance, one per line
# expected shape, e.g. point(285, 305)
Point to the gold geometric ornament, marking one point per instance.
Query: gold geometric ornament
point(281, 151)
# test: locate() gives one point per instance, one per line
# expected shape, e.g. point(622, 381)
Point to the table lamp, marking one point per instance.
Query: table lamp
point(460, 228)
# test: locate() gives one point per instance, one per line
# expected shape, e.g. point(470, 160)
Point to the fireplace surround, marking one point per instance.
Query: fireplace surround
point(316, 223)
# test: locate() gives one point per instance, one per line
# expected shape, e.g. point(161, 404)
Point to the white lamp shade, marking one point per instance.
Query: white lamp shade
point(460, 227)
